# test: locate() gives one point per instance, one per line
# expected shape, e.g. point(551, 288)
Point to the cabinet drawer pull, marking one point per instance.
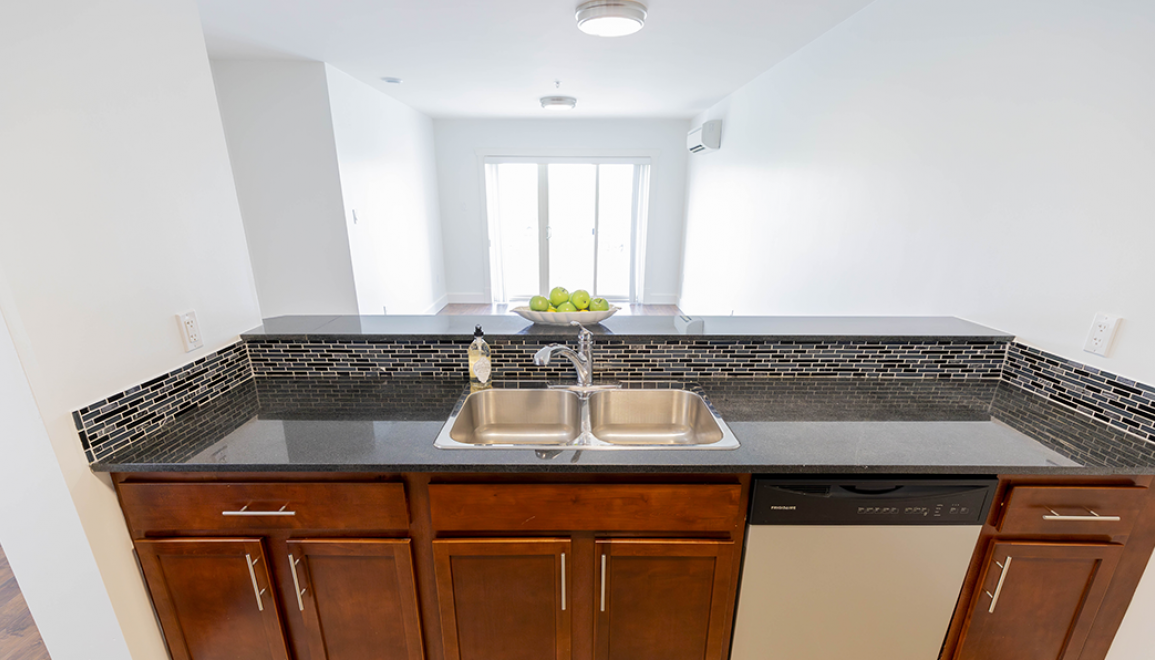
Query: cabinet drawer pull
point(1094, 517)
point(563, 582)
point(999, 587)
point(257, 591)
point(603, 583)
point(296, 582)
point(245, 512)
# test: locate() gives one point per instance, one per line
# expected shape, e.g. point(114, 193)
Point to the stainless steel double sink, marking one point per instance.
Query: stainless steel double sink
point(599, 419)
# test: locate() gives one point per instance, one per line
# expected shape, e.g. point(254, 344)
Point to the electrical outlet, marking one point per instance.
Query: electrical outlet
point(1102, 333)
point(190, 331)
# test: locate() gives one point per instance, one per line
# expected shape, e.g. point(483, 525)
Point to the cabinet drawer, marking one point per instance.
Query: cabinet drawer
point(586, 507)
point(212, 507)
point(1072, 510)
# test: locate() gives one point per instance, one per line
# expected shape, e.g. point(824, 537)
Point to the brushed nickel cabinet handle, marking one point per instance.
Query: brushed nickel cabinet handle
point(563, 582)
point(257, 591)
point(244, 511)
point(1094, 517)
point(999, 587)
point(603, 583)
point(296, 582)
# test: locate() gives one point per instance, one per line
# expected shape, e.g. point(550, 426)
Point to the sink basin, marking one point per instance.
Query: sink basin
point(518, 417)
point(652, 417)
point(590, 418)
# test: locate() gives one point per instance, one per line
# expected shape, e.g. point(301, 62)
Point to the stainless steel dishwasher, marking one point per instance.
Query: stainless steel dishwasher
point(868, 569)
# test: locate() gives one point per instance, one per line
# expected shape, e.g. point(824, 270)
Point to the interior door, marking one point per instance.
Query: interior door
point(663, 599)
point(504, 599)
point(1037, 601)
point(213, 598)
point(358, 598)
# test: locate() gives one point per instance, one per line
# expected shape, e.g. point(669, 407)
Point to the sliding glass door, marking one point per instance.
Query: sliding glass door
point(564, 222)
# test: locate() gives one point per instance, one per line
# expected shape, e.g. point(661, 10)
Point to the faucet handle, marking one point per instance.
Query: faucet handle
point(584, 333)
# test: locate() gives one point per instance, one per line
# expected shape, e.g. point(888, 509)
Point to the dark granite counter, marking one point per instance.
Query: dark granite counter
point(785, 425)
point(879, 328)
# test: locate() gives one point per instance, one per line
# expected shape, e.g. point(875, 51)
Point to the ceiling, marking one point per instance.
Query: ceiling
point(496, 58)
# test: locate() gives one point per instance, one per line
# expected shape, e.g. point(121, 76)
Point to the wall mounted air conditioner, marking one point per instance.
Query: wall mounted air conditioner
point(708, 136)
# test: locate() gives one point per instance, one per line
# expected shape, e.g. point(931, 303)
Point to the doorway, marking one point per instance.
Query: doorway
point(577, 223)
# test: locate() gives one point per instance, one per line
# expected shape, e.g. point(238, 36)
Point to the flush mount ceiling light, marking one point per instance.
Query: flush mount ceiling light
point(558, 102)
point(611, 18)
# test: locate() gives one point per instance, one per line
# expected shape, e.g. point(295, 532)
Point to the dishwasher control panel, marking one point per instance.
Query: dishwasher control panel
point(871, 501)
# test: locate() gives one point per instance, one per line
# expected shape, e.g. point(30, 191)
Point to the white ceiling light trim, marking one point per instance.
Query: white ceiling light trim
point(611, 18)
point(556, 103)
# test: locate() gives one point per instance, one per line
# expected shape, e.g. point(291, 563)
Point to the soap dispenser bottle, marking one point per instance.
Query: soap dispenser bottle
point(480, 368)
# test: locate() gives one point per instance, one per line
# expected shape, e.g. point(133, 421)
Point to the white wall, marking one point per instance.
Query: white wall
point(460, 178)
point(117, 211)
point(1136, 637)
point(280, 139)
point(389, 178)
point(56, 570)
point(984, 159)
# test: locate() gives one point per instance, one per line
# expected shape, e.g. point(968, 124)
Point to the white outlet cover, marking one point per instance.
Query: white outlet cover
point(190, 331)
point(1102, 334)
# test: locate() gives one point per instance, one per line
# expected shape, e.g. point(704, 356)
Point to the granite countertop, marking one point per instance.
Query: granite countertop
point(878, 328)
point(785, 425)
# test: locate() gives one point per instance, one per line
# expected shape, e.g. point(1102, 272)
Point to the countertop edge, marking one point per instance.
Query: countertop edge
point(566, 468)
point(630, 337)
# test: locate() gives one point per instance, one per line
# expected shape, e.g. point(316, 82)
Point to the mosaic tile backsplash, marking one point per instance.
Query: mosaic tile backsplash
point(1116, 401)
point(122, 419)
point(126, 417)
point(619, 359)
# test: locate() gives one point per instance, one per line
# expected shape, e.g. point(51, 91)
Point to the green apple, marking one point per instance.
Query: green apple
point(580, 299)
point(558, 296)
point(566, 307)
point(599, 305)
point(538, 303)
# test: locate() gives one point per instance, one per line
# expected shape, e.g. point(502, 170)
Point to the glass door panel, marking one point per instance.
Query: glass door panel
point(519, 232)
point(614, 231)
point(572, 208)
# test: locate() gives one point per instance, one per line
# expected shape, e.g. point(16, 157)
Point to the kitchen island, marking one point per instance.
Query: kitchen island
point(312, 440)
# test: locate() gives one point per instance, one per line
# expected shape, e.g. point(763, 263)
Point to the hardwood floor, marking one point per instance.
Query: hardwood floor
point(469, 309)
point(19, 638)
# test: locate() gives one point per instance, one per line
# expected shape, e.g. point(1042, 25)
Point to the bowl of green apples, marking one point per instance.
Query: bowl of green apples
point(561, 307)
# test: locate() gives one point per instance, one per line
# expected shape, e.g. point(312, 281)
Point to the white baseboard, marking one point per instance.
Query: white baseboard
point(472, 298)
point(438, 304)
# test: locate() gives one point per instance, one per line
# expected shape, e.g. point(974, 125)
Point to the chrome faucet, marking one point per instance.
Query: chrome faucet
point(582, 358)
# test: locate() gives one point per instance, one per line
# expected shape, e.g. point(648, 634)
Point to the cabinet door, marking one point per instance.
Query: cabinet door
point(213, 599)
point(662, 599)
point(504, 599)
point(358, 598)
point(1037, 601)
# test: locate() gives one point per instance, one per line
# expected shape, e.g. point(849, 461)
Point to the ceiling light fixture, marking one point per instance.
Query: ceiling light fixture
point(558, 102)
point(392, 81)
point(611, 18)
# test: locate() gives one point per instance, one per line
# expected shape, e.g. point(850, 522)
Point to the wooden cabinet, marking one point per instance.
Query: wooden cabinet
point(505, 599)
point(600, 571)
point(327, 581)
point(358, 598)
point(1054, 569)
point(214, 598)
point(662, 599)
point(1038, 600)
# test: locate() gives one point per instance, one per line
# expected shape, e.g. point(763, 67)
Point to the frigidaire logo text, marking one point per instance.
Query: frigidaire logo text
point(774, 507)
